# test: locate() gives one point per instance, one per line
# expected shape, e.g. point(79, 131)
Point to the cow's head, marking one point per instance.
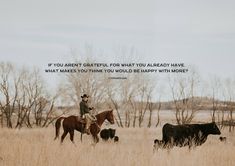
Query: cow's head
point(214, 129)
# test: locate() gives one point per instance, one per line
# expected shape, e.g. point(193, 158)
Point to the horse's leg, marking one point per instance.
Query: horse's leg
point(81, 137)
point(83, 128)
point(80, 129)
point(71, 135)
point(95, 138)
point(64, 135)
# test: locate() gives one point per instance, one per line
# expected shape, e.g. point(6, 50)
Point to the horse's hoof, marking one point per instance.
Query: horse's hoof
point(93, 145)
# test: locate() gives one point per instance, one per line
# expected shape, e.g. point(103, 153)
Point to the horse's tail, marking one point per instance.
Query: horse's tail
point(57, 127)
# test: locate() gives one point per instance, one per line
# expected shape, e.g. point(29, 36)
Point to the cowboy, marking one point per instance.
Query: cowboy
point(85, 112)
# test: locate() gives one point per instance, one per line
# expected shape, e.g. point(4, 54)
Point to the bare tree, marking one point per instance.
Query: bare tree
point(215, 87)
point(24, 98)
point(158, 115)
point(9, 91)
point(75, 84)
point(229, 97)
point(113, 100)
point(183, 94)
point(137, 92)
point(35, 106)
point(145, 100)
point(128, 92)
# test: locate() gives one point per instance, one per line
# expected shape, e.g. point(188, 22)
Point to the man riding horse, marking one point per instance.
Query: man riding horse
point(86, 113)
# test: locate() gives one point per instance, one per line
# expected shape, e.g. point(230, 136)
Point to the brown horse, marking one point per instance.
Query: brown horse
point(72, 123)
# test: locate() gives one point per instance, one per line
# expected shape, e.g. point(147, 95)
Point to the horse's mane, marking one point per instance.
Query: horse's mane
point(103, 112)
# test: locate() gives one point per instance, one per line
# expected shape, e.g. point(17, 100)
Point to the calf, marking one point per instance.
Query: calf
point(105, 134)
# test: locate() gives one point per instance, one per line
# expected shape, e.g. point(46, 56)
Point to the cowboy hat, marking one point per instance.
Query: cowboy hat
point(85, 95)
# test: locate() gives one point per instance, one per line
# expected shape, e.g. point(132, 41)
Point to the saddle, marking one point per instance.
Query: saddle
point(81, 120)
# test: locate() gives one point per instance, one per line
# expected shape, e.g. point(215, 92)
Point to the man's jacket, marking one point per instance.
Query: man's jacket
point(84, 108)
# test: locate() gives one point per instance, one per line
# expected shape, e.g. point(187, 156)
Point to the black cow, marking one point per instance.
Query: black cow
point(186, 135)
point(105, 134)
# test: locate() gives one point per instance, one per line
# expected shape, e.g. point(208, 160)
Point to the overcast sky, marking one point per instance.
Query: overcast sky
point(197, 32)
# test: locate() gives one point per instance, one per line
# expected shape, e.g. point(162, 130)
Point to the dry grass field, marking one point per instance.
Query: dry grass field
point(36, 147)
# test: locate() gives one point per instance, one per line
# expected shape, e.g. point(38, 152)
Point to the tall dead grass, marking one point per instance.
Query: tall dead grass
point(36, 147)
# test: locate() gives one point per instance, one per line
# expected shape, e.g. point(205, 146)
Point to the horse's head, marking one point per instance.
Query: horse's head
point(109, 116)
